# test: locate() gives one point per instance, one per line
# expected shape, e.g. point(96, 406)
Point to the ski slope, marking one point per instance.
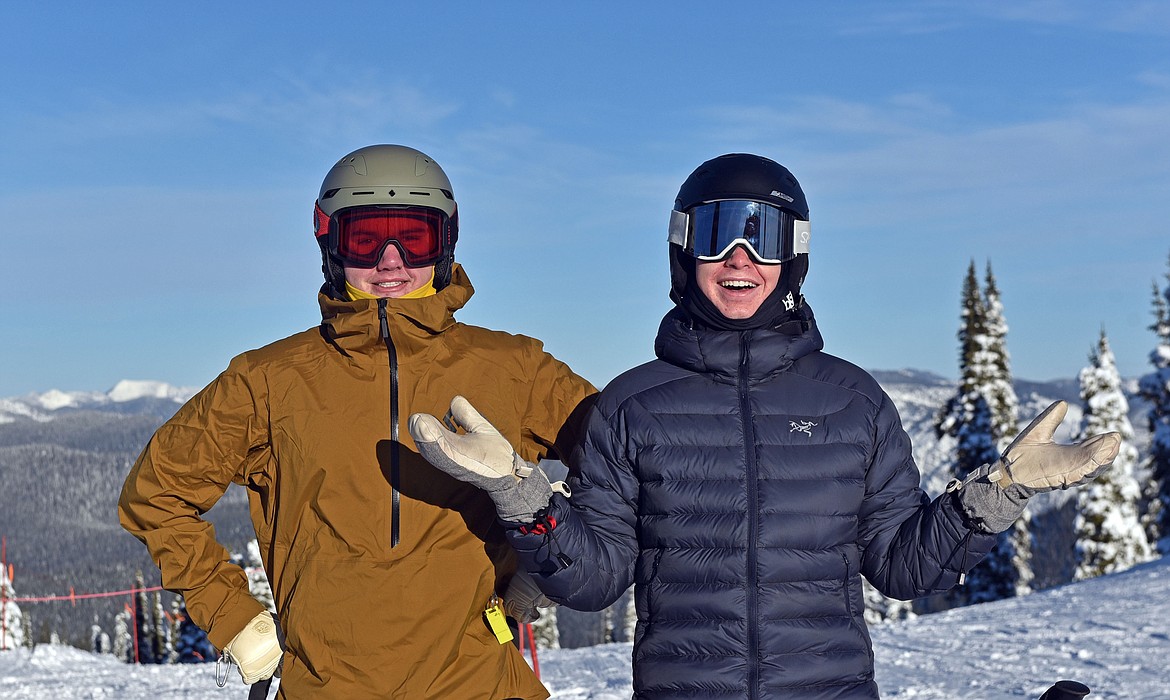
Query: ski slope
point(1111, 633)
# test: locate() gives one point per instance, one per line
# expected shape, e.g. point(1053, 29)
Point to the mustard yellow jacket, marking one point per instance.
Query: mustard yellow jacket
point(381, 566)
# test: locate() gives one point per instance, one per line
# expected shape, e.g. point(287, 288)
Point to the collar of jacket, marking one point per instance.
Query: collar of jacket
point(683, 343)
point(354, 327)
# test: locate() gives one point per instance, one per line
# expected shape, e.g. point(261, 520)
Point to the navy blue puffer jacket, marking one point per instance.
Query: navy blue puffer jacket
point(745, 481)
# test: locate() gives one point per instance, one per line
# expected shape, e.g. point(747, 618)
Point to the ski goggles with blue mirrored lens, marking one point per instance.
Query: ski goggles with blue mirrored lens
point(711, 231)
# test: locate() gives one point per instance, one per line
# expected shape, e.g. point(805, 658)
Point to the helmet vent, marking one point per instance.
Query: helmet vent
point(427, 194)
point(357, 193)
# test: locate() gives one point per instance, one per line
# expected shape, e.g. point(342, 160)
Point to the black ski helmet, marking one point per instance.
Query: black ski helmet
point(743, 176)
point(737, 176)
point(384, 175)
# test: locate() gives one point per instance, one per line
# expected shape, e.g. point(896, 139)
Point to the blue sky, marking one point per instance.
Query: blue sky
point(159, 161)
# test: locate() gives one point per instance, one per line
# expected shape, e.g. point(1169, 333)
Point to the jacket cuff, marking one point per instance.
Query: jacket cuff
point(225, 628)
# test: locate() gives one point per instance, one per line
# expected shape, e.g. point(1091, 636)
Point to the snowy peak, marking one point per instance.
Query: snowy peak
point(55, 399)
point(127, 396)
point(131, 389)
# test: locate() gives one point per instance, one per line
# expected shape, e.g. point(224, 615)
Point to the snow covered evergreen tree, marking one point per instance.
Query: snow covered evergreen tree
point(144, 627)
point(976, 435)
point(997, 387)
point(1006, 571)
point(123, 639)
point(12, 621)
point(879, 608)
point(161, 644)
point(258, 584)
point(958, 417)
point(981, 416)
point(1110, 537)
point(99, 641)
point(984, 371)
point(253, 566)
point(545, 630)
point(174, 622)
point(1155, 387)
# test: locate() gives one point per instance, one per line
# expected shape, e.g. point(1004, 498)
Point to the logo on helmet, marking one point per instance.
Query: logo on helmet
point(781, 195)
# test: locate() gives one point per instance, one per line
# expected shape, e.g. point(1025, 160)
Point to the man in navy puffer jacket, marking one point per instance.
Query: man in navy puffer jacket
point(745, 480)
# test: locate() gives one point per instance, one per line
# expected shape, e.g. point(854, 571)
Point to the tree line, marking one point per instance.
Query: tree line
point(1120, 520)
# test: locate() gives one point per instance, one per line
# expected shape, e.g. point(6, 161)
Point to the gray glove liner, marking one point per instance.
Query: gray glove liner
point(991, 508)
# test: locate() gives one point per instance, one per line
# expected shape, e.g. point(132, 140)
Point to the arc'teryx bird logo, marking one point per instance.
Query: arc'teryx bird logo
point(804, 426)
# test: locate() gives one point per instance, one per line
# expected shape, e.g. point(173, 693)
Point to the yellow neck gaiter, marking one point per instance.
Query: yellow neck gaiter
point(426, 290)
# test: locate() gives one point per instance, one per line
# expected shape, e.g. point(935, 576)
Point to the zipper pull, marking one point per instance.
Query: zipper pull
point(385, 323)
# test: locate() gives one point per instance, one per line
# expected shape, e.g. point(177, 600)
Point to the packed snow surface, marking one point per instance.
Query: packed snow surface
point(1111, 633)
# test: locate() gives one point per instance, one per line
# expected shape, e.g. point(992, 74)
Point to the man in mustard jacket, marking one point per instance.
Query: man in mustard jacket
point(384, 569)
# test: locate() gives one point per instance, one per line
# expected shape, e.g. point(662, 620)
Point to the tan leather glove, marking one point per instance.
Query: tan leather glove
point(995, 495)
point(1038, 464)
point(257, 649)
point(483, 458)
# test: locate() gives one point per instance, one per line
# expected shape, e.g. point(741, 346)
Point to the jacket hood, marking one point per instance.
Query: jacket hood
point(689, 345)
point(354, 326)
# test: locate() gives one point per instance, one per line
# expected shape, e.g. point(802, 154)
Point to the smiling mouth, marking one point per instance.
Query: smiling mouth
point(738, 284)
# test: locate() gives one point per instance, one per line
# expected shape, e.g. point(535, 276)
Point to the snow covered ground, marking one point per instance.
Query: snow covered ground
point(1111, 633)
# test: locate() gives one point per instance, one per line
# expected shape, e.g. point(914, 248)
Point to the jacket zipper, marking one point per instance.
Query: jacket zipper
point(845, 582)
point(753, 506)
point(392, 356)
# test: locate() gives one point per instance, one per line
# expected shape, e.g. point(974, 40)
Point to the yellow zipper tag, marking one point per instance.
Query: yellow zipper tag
point(496, 620)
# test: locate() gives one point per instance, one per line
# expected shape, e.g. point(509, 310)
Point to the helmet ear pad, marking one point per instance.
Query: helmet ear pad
point(682, 270)
point(443, 271)
point(334, 273)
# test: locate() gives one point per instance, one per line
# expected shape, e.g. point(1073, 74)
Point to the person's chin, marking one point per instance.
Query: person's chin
point(738, 309)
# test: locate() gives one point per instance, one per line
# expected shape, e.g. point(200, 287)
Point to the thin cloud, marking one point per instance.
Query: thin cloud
point(1148, 17)
point(284, 106)
point(910, 146)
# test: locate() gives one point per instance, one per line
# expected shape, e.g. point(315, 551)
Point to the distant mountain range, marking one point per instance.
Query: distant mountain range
point(64, 456)
point(128, 397)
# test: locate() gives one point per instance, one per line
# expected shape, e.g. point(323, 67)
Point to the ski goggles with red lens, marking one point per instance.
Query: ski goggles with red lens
point(359, 235)
point(711, 231)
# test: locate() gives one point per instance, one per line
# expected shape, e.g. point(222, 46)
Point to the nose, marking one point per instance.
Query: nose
point(391, 257)
point(739, 258)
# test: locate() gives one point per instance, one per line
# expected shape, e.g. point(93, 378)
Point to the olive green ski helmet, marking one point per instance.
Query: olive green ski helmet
point(384, 176)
